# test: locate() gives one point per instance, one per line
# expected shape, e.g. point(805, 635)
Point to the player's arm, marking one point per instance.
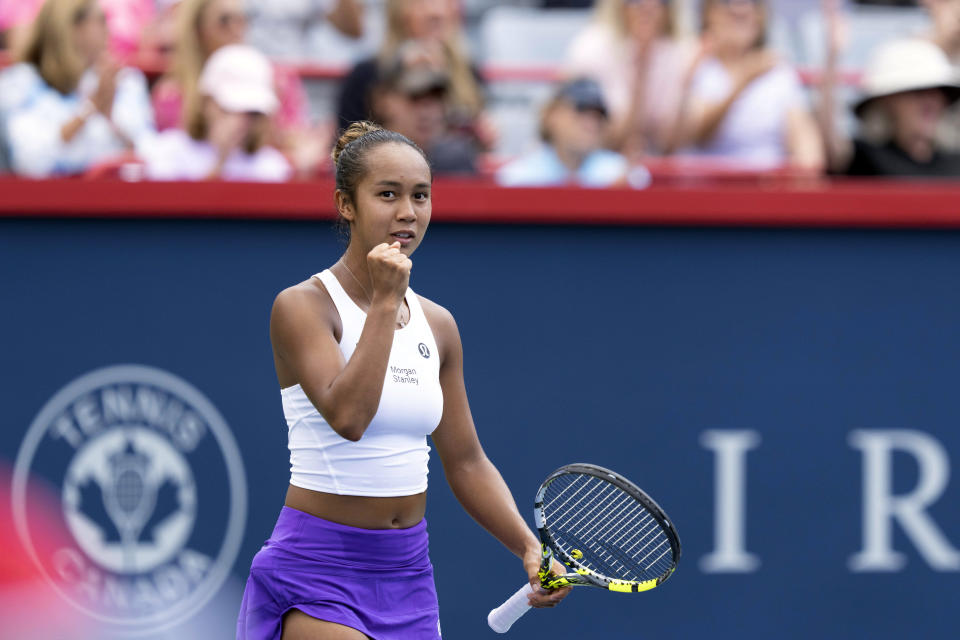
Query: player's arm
point(475, 482)
point(346, 394)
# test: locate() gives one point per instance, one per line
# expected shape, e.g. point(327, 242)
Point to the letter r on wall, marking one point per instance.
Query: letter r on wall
point(881, 508)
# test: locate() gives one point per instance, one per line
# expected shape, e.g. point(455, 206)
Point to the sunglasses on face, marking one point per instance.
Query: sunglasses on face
point(591, 109)
point(228, 20)
point(732, 3)
point(82, 15)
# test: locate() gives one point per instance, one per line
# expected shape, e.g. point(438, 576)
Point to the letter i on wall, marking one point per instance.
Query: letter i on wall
point(730, 472)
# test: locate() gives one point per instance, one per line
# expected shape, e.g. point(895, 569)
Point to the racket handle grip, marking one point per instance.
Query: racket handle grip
point(503, 617)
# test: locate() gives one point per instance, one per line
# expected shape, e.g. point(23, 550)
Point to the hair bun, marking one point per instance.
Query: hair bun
point(353, 132)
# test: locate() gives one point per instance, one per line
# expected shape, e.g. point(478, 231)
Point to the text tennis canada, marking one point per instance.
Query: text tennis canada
point(153, 495)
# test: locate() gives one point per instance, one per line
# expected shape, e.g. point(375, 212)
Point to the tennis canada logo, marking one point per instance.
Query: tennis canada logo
point(153, 496)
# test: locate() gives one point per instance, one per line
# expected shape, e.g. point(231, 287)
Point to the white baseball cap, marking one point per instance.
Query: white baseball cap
point(240, 79)
point(907, 65)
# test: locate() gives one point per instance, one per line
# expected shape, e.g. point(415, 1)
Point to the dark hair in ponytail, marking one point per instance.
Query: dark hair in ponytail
point(350, 153)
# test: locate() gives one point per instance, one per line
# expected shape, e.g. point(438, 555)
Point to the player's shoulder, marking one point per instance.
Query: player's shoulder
point(304, 298)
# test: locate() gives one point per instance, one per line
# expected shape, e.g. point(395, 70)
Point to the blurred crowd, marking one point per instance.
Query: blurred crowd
point(205, 89)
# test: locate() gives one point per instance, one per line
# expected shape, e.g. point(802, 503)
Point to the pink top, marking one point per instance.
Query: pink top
point(125, 19)
point(167, 101)
point(599, 53)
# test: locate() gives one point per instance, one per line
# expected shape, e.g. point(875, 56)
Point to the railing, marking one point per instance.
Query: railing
point(770, 201)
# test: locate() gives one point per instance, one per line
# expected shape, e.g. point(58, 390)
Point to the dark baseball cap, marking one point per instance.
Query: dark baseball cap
point(414, 79)
point(584, 94)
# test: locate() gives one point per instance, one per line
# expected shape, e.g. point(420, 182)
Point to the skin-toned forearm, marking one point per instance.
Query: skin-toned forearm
point(347, 18)
point(836, 147)
point(706, 128)
point(354, 395)
point(485, 496)
point(676, 135)
point(625, 131)
point(72, 128)
point(804, 144)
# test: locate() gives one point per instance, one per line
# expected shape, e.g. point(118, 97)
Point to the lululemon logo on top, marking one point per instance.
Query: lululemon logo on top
point(153, 496)
point(424, 350)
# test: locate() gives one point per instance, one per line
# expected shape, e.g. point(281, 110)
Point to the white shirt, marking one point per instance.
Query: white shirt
point(754, 131)
point(391, 458)
point(33, 113)
point(176, 156)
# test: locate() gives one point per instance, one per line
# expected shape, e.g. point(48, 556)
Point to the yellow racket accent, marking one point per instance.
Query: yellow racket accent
point(632, 587)
point(555, 582)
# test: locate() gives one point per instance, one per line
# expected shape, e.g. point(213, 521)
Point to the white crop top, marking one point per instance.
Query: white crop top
point(391, 457)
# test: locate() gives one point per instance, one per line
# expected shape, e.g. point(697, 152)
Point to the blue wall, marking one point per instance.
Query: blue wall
point(617, 346)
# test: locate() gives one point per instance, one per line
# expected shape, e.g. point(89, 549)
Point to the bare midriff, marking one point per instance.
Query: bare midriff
point(363, 512)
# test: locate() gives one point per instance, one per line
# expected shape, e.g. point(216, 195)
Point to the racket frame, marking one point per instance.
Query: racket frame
point(580, 574)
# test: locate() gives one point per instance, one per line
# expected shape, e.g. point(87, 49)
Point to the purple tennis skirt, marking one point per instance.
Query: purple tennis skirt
point(378, 581)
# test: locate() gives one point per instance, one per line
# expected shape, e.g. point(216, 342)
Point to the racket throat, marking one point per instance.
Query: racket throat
point(547, 579)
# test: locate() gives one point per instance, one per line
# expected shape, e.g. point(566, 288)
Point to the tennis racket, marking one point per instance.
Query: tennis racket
point(609, 533)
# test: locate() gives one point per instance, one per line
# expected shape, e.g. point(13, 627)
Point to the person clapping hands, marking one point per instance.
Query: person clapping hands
point(226, 132)
point(67, 105)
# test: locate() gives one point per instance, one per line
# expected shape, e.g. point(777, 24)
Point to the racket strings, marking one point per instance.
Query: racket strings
point(618, 537)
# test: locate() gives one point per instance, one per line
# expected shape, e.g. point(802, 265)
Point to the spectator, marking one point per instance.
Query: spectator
point(410, 98)
point(67, 104)
point(436, 26)
point(125, 20)
point(632, 51)
point(227, 127)
point(907, 87)
point(573, 126)
point(203, 27)
point(281, 28)
point(745, 106)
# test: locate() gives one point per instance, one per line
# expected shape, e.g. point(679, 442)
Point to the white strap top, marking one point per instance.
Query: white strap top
point(391, 457)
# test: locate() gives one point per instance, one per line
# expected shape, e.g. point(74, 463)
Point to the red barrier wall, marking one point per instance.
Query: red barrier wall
point(801, 203)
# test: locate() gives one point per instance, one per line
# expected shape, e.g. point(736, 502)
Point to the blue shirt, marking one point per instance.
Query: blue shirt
point(542, 168)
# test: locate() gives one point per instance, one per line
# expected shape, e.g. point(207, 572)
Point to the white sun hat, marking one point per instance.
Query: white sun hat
point(240, 79)
point(907, 65)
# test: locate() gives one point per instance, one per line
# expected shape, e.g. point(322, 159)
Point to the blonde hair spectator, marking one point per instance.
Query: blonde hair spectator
point(437, 21)
point(632, 49)
point(66, 105)
point(613, 15)
point(50, 45)
point(195, 18)
point(745, 106)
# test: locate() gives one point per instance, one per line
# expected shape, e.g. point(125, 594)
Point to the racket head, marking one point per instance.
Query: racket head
point(606, 529)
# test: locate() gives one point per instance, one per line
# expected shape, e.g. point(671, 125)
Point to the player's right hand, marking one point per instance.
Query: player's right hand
point(389, 270)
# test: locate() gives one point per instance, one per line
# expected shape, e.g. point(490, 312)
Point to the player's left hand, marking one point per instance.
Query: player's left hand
point(542, 598)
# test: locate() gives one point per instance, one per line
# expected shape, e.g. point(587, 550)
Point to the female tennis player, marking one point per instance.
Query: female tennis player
point(367, 370)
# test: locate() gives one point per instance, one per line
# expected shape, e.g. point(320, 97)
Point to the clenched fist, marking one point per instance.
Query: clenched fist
point(389, 270)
